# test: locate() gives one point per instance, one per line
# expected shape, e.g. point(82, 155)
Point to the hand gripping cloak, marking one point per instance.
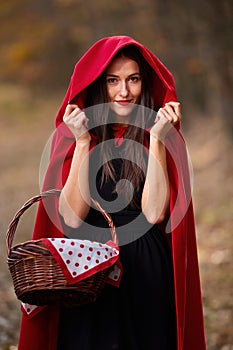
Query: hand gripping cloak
point(40, 331)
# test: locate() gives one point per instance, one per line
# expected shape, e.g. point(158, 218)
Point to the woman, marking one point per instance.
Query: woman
point(107, 130)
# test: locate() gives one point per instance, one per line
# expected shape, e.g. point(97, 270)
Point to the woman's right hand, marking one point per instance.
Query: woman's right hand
point(76, 120)
point(166, 118)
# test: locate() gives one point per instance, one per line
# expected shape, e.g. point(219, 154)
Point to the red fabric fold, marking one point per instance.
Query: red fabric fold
point(119, 132)
point(40, 332)
point(80, 259)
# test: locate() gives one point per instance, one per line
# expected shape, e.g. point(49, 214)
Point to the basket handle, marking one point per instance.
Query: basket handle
point(13, 224)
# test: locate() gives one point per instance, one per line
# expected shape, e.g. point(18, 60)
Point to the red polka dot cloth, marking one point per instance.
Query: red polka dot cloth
point(80, 259)
point(31, 310)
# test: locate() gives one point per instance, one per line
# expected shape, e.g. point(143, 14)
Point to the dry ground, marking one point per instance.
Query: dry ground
point(26, 125)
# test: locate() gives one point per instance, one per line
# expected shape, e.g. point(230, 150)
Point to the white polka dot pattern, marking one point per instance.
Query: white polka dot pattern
point(80, 259)
point(31, 310)
point(114, 276)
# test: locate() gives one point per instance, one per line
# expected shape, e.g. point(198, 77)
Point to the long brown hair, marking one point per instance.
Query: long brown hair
point(97, 96)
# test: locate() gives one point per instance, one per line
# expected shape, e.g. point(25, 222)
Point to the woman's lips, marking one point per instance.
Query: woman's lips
point(124, 102)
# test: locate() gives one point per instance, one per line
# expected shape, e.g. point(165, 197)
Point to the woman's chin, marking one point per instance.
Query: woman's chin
point(122, 111)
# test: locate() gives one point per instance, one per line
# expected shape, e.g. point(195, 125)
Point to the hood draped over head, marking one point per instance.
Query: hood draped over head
point(179, 226)
point(96, 60)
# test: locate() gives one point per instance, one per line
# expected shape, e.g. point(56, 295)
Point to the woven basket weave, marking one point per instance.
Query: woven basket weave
point(38, 279)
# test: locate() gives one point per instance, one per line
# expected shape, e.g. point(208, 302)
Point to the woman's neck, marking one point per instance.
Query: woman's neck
point(121, 125)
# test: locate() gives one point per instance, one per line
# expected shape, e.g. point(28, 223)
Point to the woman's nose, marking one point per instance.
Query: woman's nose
point(124, 89)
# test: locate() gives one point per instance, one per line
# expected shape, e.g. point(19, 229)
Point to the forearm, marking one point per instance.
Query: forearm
point(74, 202)
point(155, 196)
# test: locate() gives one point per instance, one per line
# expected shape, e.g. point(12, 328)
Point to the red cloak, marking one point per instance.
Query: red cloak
point(40, 331)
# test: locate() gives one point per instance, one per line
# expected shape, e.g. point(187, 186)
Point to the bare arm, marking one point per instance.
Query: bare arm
point(155, 195)
point(74, 201)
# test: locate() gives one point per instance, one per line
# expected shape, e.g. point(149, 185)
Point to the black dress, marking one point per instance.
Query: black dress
point(140, 314)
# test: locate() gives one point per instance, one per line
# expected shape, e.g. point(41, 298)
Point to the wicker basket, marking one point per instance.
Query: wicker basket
point(38, 279)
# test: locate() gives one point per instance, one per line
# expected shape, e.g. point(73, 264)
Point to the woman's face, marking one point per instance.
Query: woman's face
point(123, 82)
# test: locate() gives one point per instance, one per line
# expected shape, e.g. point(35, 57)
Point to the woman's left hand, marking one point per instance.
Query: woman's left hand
point(166, 118)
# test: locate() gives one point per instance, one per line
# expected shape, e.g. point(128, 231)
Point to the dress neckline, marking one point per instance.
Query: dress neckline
point(118, 133)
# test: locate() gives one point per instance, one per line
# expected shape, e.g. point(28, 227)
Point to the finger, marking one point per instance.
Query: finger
point(81, 121)
point(86, 123)
point(157, 118)
point(163, 113)
point(173, 103)
point(69, 109)
point(75, 113)
point(174, 117)
point(176, 106)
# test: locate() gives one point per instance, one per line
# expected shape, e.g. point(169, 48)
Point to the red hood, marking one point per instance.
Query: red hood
point(96, 60)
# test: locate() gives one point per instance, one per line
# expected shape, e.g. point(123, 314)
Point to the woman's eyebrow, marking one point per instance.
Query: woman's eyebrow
point(136, 73)
point(114, 75)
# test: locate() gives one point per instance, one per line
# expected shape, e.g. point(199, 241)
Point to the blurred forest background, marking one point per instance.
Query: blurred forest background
point(40, 43)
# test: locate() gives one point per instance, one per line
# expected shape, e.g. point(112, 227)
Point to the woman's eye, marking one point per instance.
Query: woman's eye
point(135, 79)
point(111, 80)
